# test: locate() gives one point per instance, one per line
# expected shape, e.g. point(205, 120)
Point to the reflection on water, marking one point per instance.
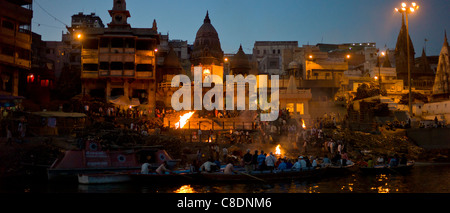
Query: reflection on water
point(422, 179)
point(185, 189)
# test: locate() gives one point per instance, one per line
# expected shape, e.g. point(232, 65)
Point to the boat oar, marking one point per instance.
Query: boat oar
point(257, 178)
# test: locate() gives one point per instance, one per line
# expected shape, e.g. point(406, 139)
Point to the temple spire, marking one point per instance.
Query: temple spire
point(155, 27)
point(207, 20)
point(445, 38)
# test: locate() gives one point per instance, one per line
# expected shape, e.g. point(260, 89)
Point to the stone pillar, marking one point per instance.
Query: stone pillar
point(108, 90)
point(126, 89)
point(151, 90)
point(15, 83)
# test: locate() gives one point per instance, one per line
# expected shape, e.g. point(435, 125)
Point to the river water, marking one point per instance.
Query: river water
point(423, 178)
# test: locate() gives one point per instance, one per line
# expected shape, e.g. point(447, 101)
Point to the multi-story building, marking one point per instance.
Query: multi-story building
point(15, 45)
point(268, 55)
point(120, 60)
point(81, 20)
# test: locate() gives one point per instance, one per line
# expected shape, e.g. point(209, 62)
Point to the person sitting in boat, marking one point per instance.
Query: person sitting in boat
point(314, 163)
point(207, 166)
point(248, 161)
point(229, 169)
point(394, 161)
point(297, 165)
point(145, 168)
point(282, 166)
point(303, 163)
point(270, 161)
point(326, 161)
point(261, 161)
point(162, 169)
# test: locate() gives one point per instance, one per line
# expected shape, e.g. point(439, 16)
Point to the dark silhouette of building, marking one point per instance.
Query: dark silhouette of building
point(15, 45)
point(207, 49)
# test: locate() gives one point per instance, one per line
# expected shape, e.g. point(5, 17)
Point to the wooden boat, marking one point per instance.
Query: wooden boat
point(333, 170)
point(174, 177)
point(94, 160)
point(103, 178)
point(386, 169)
point(262, 176)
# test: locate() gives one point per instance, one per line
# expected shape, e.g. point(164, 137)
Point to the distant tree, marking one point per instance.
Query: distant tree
point(414, 96)
point(368, 90)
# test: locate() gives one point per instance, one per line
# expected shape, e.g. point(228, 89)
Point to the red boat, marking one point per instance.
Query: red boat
point(93, 160)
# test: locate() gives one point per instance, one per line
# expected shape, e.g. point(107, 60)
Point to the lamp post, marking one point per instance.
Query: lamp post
point(380, 54)
point(405, 10)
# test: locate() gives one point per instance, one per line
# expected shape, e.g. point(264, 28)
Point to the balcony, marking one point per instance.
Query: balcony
point(89, 74)
point(16, 12)
point(144, 74)
point(128, 73)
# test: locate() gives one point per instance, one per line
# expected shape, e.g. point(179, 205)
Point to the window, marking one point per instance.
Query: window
point(7, 50)
point(116, 66)
point(30, 78)
point(129, 43)
point(8, 24)
point(144, 45)
point(44, 83)
point(90, 44)
point(128, 66)
point(90, 67)
point(104, 65)
point(300, 108)
point(117, 43)
point(290, 107)
point(23, 54)
point(144, 67)
point(104, 42)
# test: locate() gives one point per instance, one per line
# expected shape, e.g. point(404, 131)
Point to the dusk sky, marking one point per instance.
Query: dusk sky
point(246, 21)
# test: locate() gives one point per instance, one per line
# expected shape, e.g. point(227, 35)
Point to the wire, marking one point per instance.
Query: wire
point(48, 13)
point(46, 25)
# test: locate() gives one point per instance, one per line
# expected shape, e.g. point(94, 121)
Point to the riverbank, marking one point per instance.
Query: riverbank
point(16, 159)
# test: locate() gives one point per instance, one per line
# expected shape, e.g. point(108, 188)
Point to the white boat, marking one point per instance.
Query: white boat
point(103, 178)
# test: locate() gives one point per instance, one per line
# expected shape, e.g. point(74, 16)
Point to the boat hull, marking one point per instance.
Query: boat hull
point(262, 175)
point(174, 177)
point(72, 174)
point(387, 170)
point(103, 178)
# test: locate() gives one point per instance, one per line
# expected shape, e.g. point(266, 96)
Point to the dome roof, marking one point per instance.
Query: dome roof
point(240, 63)
point(207, 49)
point(293, 65)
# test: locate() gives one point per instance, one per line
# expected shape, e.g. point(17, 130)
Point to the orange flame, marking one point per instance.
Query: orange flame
point(185, 189)
point(183, 120)
point(303, 124)
point(278, 150)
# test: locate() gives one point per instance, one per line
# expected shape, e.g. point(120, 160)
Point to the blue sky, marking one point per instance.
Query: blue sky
point(246, 21)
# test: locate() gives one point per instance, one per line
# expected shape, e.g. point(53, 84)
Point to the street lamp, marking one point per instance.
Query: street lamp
point(405, 10)
point(379, 54)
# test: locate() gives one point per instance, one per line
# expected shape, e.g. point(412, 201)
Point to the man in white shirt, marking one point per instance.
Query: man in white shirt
point(270, 161)
point(207, 166)
point(144, 168)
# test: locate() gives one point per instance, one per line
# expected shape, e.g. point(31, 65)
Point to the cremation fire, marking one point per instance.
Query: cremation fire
point(185, 189)
point(303, 124)
point(183, 120)
point(278, 150)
